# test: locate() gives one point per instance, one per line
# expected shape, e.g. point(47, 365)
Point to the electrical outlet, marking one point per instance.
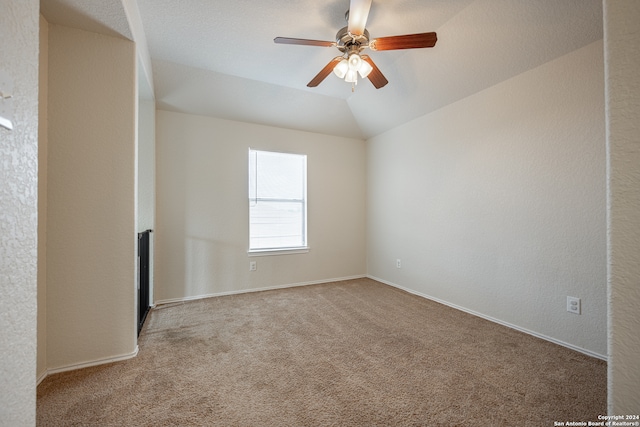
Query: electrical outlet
point(398, 263)
point(253, 265)
point(573, 305)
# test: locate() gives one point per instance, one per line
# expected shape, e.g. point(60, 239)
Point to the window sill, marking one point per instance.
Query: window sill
point(280, 251)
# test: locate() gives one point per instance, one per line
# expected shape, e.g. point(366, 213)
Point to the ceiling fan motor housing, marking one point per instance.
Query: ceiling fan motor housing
point(350, 43)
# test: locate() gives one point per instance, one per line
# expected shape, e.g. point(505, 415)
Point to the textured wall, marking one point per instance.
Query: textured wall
point(202, 207)
point(622, 61)
point(496, 203)
point(19, 215)
point(91, 235)
point(42, 198)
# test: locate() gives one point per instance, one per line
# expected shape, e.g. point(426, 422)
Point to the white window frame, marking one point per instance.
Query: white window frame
point(253, 198)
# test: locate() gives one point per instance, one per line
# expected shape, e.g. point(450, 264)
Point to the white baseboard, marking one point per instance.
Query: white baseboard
point(87, 364)
point(245, 291)
point(41, 377)
point(494, 320)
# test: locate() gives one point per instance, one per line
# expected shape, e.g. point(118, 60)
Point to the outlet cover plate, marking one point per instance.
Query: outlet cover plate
point(573, 305)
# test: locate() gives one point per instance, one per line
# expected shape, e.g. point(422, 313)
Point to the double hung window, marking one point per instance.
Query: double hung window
point(277, 201)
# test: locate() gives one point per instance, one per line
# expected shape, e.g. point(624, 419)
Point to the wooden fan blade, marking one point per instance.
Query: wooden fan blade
point(305, 42)
point(324, 72)
point(358, 14)
point(408, 41)
point(375, 76)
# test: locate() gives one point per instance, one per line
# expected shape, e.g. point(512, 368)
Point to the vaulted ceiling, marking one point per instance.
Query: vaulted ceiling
point(218, 58)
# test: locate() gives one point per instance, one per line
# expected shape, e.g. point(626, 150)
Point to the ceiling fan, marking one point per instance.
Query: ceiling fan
point(352, 40)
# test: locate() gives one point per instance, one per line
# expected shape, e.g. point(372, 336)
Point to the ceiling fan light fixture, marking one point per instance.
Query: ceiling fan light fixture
point(351, 76)
point(365, 69)
point(348, 69)
point(341, 69)
point(355, 62)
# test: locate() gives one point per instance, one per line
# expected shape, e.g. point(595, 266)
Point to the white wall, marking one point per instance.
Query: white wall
point(19, 214)
point(622, 61)
point(146, 173)
point(146, 165)
point(202, 207)
point(496, 203)
point(91, 236)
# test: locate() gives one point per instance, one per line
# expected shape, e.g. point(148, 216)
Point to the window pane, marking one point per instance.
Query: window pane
point(276, 225)
point(279, 175)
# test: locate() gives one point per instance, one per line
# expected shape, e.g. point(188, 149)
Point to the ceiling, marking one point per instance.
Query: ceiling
point(217, 58)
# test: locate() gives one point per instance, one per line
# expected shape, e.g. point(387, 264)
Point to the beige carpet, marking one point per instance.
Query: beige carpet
point(354, 353)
